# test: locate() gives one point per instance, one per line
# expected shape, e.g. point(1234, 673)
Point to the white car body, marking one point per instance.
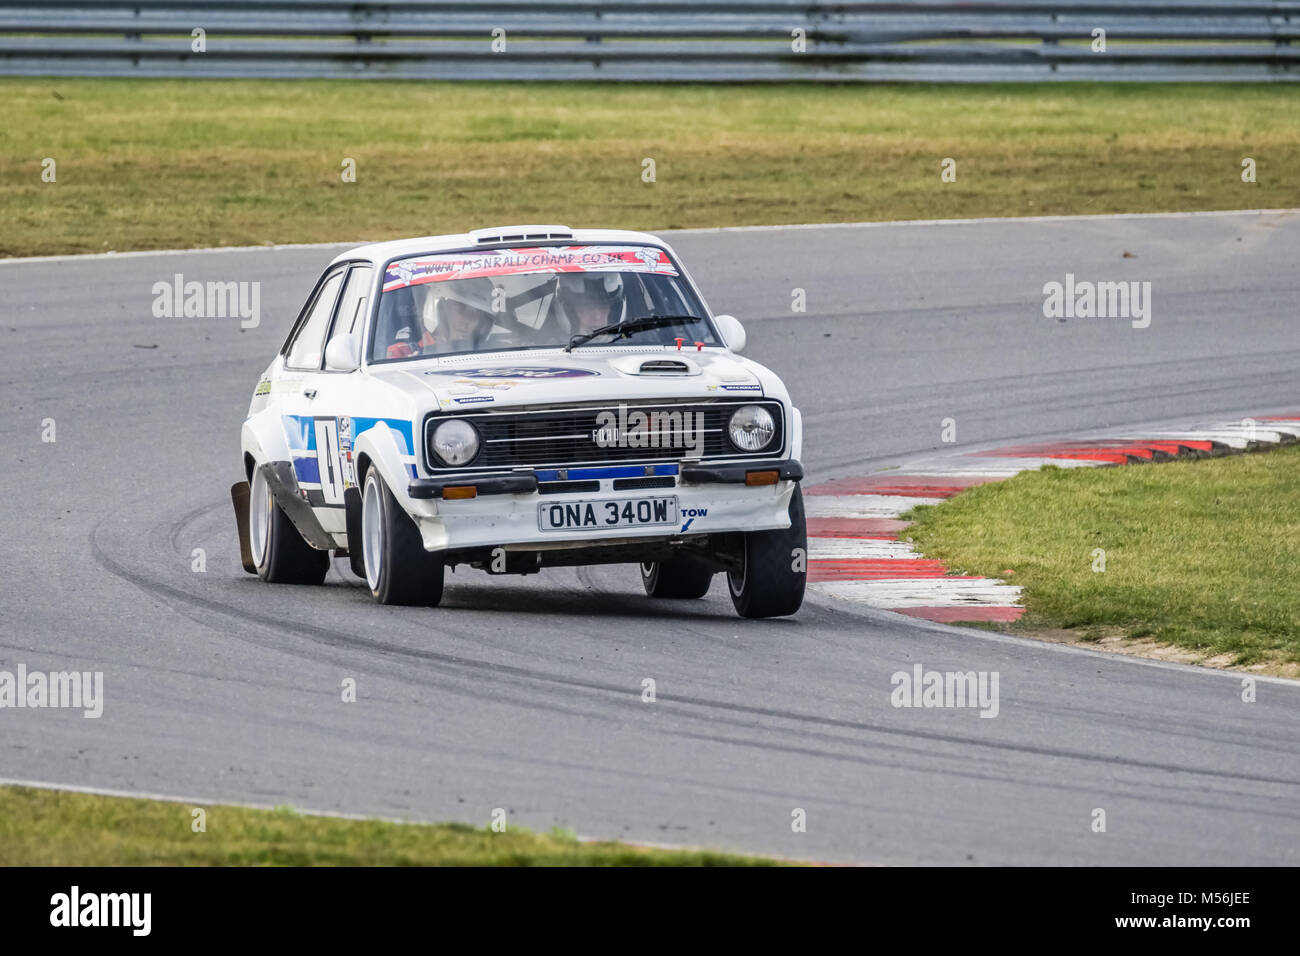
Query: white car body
point(320, 429)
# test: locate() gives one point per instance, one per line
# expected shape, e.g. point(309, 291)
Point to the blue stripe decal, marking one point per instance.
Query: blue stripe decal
point(621, 471)
point(410, 470)
point(300, 431)
point(307, 469)
point(399, 425)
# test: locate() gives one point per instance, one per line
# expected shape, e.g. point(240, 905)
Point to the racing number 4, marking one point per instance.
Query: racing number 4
point(327, 460)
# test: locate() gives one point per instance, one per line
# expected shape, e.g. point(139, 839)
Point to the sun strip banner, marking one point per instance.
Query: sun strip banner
point(497, 262)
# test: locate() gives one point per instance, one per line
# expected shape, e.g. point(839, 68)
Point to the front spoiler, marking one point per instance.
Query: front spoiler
point(426, 488)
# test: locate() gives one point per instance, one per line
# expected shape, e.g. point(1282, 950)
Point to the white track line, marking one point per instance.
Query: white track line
point(1236, 436)
point(1260, 431)
point(1033, 645)
point(1084, 217)
point(989, 466)
point(190, 801)
point(1210, 213)
point(140, 253)
point(1238, 442)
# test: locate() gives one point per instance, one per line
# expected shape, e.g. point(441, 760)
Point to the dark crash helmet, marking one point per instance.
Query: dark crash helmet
point(603, 289)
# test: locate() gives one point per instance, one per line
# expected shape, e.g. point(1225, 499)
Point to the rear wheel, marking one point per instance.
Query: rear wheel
point(770, 581)
point(398, 569)
point(680, 577)
point(279, 551)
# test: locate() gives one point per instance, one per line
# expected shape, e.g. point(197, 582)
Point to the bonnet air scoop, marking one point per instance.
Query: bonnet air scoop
point(657, 364)
point(664, 367)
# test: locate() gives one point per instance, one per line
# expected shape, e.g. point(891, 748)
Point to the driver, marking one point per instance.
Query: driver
point(460, 321)
point(462, 317)
point(588, 300)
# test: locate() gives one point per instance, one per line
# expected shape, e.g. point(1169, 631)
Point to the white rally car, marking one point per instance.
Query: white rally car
point(520, 398)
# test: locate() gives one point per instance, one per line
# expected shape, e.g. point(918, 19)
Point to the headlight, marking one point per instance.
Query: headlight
point(456, 442)
point(751, 427)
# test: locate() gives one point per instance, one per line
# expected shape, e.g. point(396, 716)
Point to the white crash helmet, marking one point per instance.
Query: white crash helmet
point(605, 288)
point(475, 293)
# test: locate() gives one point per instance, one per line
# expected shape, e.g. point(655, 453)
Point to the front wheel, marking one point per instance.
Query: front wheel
point(773, 570)
point(680, 577)
point(278, 550)
point(398, 569)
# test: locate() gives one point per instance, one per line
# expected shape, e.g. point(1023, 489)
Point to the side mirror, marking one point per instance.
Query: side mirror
point(343, 354)
point(733, 333)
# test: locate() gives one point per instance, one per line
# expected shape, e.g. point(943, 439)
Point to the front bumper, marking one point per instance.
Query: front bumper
point(504, 512)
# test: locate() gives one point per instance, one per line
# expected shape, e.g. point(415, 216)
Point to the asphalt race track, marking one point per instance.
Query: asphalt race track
point(525, 693)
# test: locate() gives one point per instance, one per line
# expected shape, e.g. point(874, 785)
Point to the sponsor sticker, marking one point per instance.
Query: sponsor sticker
point(345, 453)
point(286, 385)
point(481, 383)
point(521, 371)
point(523, 260)
point(690, 514)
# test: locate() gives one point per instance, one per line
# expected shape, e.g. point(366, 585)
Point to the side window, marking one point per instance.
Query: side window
point(306, 348)
point(352, 305)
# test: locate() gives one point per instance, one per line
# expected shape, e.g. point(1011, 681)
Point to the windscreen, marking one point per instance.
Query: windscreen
point(531, 298)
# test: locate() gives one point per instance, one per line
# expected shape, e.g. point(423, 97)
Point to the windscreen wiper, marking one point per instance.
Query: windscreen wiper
point(623, 330)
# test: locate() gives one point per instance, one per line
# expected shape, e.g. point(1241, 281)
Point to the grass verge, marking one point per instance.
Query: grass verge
point(57, 828)
point(1201, 555)
point(147, 164)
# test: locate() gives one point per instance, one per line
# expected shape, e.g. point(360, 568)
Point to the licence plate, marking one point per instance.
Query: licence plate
point(607, 513)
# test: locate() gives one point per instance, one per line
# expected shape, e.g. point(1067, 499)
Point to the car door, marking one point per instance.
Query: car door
point(301, 380)
point(330, 399)
point(337, 398)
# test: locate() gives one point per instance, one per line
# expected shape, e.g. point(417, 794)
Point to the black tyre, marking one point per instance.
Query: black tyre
point(681, 577)
point(398, 569)
point(278, 550)
point(770, 582)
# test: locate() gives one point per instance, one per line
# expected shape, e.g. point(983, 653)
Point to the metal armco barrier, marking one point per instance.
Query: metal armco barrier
point(655, 40)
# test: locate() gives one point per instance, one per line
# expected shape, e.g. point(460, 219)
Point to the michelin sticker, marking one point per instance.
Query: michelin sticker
point(522, 371)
